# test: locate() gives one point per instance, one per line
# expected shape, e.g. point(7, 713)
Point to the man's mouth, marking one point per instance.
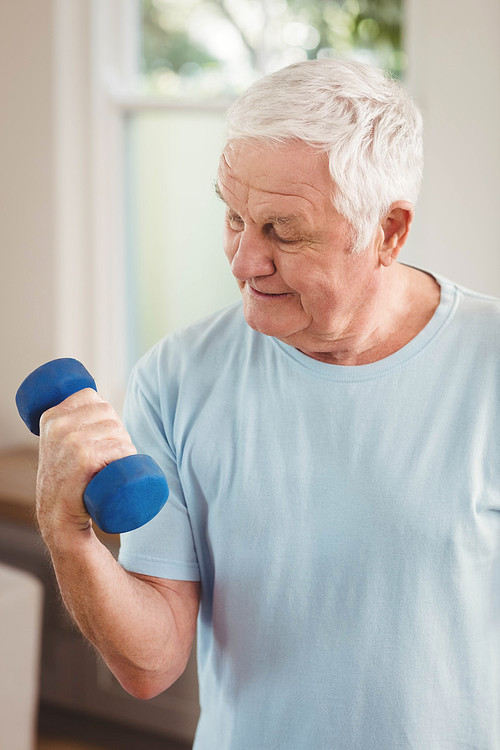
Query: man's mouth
point(253, 292)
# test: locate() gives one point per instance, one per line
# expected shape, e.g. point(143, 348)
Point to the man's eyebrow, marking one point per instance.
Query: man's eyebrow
point(271, 219)
point(282, 220)
point(218, 192)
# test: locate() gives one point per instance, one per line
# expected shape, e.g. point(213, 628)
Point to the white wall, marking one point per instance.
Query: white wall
point(28, 269)
point(454, 75)
point(44, 178)
point(60, 231)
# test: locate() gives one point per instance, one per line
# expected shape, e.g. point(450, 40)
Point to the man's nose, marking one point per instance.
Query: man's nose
point(253, 256)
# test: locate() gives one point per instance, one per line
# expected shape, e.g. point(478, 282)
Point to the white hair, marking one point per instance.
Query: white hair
point(362, 118)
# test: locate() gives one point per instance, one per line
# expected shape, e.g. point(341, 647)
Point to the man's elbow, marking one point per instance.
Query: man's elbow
point(145, 689)
point(145, 686)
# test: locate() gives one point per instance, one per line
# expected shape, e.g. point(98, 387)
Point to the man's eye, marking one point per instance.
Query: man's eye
point(294, 240)
point(287, 242)
point(273, 232)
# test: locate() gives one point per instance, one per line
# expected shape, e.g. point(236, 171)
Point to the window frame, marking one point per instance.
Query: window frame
point(95, 73)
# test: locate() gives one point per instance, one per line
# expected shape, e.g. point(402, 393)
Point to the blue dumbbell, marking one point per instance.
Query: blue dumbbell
point(125, 494)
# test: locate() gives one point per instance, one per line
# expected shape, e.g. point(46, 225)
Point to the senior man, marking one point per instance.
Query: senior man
point(331, 446)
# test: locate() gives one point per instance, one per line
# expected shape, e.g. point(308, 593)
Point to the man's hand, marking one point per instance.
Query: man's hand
point(78, 438)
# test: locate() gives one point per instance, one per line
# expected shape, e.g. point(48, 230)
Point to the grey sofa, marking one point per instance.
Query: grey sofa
point(21, 596)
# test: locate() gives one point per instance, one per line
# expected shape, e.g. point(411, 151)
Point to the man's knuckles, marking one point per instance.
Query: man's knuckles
point(92, 446)
point(70, 416)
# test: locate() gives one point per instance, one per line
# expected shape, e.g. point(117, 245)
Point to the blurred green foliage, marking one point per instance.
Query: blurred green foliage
point(270, 34)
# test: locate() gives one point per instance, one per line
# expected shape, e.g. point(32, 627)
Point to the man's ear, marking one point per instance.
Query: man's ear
point(395, 225)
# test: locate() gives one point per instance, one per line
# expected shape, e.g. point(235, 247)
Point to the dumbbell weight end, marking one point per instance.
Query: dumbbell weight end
point(47, 386)
point(128, 492)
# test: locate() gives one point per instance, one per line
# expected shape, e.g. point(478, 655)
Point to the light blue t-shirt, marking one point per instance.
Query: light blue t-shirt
point(344, 523)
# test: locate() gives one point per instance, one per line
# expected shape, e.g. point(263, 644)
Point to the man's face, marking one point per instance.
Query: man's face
point(289, 249)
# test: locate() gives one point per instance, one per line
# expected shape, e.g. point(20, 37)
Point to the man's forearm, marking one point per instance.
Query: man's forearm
point(129, 621)
point(143, 627)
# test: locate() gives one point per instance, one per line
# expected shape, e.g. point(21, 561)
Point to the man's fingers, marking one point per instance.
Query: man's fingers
point(78, 438)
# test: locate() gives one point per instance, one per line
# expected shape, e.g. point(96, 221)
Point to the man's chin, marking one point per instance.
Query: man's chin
point(271, 327)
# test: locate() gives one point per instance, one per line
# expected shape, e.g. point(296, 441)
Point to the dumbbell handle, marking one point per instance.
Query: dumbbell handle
point(128, 492)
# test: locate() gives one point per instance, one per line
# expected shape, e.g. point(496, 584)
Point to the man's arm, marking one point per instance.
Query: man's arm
point(142, 626)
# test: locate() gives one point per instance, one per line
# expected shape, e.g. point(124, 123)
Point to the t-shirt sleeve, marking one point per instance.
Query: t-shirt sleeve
point(164, 547)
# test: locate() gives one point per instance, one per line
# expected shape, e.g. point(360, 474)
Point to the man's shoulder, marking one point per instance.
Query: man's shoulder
point(204, 345)
point(212, 335)
point(479, 299)
point(480, 311)
point(471, 304)
point(476, 326)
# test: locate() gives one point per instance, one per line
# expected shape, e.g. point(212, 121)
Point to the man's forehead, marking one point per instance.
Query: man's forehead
point(279, 158)
point(288, 177)
point(272, 207)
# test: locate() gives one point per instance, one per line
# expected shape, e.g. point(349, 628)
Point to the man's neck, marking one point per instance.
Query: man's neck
point(404, 305)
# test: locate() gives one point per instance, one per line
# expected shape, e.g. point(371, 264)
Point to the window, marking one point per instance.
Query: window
point(205, 48)
point(177, 269)
point(192, 58)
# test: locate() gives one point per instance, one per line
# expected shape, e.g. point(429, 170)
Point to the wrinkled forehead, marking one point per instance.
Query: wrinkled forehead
point(291, 169)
